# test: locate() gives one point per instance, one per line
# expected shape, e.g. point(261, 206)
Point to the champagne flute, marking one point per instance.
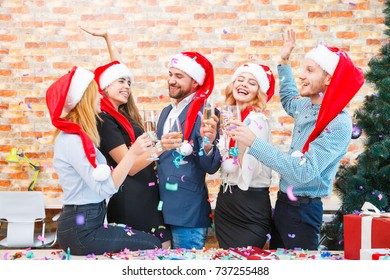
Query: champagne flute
point(208, 112)
point(150, 129)
point(175, 126)
point(228, 112)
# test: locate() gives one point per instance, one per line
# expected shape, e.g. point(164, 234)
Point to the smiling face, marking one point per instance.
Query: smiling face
point(245, 88)
point(314, 81)
point(119, 91)
point(180, 84)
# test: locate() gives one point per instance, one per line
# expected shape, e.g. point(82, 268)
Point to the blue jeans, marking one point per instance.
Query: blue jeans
point(81, 229)
point(184, 237)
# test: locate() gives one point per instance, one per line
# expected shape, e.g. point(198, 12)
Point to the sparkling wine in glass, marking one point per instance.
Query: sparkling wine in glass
point(150, 129)
point(208, 112)
point(175, 126)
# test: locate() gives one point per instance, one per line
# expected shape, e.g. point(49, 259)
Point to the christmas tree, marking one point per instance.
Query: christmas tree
point(369, 178)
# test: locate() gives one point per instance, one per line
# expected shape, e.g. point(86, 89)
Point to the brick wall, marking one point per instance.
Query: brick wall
point(40, 41)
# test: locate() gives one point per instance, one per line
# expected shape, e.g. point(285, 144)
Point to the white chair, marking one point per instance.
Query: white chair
point(21, 211)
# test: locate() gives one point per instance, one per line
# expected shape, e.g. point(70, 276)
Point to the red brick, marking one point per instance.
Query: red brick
point(289, 8)
point(347, 35)
point(4, 72)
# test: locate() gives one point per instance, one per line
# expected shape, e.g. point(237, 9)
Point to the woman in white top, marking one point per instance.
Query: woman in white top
point(243, 209)
point(86, 180)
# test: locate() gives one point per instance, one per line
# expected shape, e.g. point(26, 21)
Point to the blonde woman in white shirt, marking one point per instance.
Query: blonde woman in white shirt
point(243, 209)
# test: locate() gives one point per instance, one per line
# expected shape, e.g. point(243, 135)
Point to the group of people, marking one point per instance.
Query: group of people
point(101, 154)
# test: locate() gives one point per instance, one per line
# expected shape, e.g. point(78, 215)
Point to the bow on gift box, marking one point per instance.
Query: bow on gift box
point(368, 209)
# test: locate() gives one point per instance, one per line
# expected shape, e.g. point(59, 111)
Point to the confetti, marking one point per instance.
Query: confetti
point(29, 105)
point(41, 238)
point(380, 196)
point(151, 184)
point(171, 187)
point(352, 4)
point(290, 194)
point(182, 178)
point(321, 95)
point(225, 31)
point(80, 219)
point(291, 235)
point(25, 75)
point(160, 205)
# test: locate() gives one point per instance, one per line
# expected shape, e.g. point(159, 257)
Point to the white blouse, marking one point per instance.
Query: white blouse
point(252, 173)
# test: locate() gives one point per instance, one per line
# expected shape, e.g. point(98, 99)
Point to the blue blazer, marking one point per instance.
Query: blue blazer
point(187, 205)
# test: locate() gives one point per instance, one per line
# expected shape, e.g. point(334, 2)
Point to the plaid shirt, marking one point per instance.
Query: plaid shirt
point(311, 174)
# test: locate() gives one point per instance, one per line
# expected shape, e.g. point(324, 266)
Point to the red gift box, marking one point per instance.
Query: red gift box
point(354, 228)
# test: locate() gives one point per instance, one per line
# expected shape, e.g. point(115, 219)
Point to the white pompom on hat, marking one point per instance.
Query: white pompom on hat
point(107, 74)
point(325, 58)
point(80, 81)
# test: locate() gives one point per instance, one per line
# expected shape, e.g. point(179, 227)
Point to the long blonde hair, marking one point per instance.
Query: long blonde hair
point(258, 103)
point(84, 114)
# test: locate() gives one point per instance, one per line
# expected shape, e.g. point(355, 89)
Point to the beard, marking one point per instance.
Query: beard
point(178, 93)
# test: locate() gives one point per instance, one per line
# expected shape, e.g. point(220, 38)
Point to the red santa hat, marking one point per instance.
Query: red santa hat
point(62, 96)
point(107, 74)
point(201, 70)
point(262, 74)
point(104, 76)
point(345, 83)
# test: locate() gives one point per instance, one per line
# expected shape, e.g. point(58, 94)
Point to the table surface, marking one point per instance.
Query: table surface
point(172, 254)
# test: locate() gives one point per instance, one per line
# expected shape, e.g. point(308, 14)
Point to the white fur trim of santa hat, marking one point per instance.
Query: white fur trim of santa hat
point(257, 71)
point(113, 73)
point(325, 58)
point(80, 81)
point(189, 66)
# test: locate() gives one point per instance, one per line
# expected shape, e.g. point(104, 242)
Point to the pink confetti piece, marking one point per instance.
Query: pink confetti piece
point(41, 238)
point(161, 235)
point(40, 70)
point(352, 4)
point(321, 95)
point(380, 196)
point(151, 184)
point(291, 235)
point(290, 194)
point(5, 256)
point(105, 225)
point(200, 114)
point(25, 75)
point(182, 178)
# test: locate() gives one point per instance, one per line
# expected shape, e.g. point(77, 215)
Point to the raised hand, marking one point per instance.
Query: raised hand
point(95, 32)
point(288, 44)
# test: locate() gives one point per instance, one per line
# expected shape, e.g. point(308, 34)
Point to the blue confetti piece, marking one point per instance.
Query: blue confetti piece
point(159, 206)
point(80, 219)
point(171, 187)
